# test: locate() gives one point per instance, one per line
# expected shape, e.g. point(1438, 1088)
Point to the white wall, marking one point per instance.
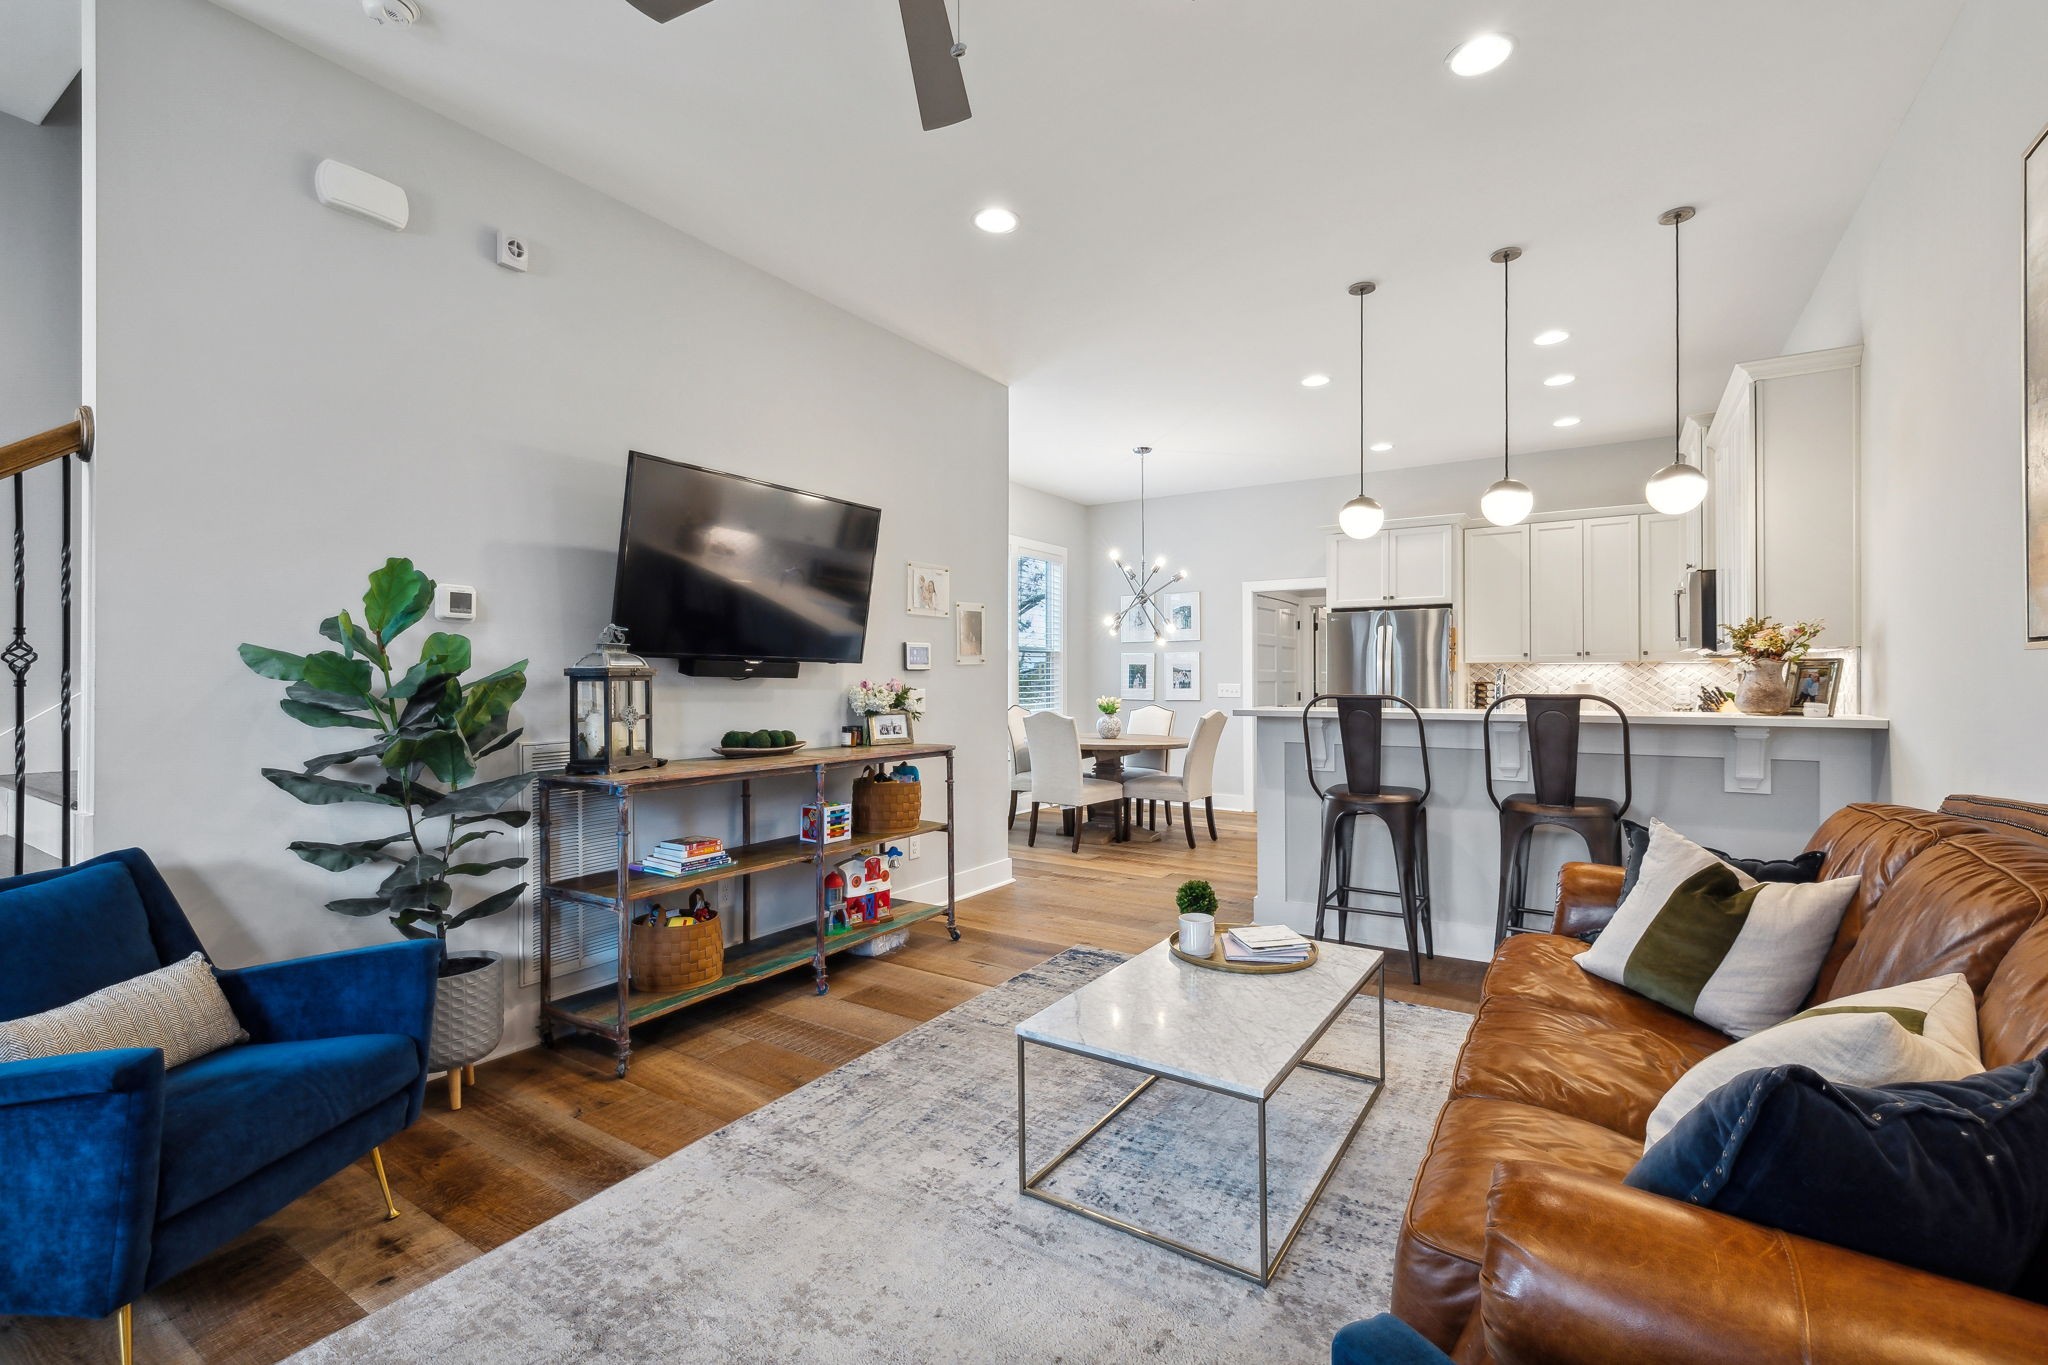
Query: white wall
point(288, 395)
point(1052, 520)
point(1928, 278)
point(39, 325)
point(1279, 531)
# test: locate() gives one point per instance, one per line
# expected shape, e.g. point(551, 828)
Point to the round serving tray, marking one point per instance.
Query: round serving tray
point(724, 752)
point(1216, 962)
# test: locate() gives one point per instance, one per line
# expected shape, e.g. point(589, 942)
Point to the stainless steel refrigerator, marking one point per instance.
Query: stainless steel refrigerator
point(1401, 651)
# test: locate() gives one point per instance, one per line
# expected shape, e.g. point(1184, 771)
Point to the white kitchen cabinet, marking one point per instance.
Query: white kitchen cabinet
point(1496, 614)
point(1668, 551)
point(1557, 590)
point(1613, 624)
point(1783, 471)
point(1402, 565)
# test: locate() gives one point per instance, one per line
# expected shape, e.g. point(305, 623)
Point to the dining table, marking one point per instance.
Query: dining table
point(1109, 755)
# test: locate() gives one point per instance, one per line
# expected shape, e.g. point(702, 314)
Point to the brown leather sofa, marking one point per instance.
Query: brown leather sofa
point(1522, 1245)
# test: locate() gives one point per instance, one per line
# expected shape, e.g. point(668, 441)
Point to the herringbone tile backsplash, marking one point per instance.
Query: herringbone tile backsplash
point(1649, 687)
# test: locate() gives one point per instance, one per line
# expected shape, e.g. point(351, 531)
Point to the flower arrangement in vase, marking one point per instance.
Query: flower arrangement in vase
point(875, 699)
point(1768, 651)
point(1111, 724)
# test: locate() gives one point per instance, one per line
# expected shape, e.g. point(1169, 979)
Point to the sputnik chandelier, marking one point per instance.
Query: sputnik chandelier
point(1145, 581)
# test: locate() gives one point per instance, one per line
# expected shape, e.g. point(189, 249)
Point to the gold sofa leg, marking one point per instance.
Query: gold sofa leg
point(383, 1183)
point(124, 1321)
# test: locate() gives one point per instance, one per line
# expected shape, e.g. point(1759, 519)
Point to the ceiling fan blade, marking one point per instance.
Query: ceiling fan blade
point(661, 11)
point(941, 88)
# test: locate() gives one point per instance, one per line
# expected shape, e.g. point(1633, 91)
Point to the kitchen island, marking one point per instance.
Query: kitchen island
point(1756, 786)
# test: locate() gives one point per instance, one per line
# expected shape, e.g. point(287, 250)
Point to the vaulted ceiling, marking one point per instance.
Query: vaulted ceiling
point(1199, 180)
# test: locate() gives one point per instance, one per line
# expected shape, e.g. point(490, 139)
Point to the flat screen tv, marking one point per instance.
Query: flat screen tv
point(735, 577)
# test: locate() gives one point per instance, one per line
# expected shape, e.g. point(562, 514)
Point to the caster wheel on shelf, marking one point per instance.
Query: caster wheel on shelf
point(547, 1038)
point(619, 1072)
point(955, 933)
point(821, 988)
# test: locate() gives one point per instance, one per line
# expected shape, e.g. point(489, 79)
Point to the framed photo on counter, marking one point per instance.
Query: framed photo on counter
point(1815, 680)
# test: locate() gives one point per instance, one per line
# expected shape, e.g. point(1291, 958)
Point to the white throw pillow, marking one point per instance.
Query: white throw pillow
point(179, 1008)
point(1704, 938)
point(1921, 1031)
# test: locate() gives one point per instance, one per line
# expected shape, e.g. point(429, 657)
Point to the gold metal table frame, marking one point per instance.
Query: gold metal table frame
point(1030, 1183)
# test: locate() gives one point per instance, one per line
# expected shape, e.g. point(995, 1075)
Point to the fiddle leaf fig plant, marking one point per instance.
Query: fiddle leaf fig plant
point(425, 729)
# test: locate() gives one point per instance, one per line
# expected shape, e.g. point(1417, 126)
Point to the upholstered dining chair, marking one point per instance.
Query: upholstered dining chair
point(1020, 760)
point(1149, 720)
point(123, 1171)
point(1057, 778)
point(1197, 780)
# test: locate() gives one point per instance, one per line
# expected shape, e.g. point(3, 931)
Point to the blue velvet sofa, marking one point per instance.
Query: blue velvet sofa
point(122, 1173)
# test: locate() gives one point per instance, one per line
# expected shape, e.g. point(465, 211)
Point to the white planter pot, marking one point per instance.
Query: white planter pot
point(1198, 935)
point(469, 1013)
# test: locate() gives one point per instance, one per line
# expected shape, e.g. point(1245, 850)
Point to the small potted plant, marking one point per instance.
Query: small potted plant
point(1768, 651)
point(1197, 903)
point(1111, 724)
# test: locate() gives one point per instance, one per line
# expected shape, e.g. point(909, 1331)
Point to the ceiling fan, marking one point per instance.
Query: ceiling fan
point(934, 56)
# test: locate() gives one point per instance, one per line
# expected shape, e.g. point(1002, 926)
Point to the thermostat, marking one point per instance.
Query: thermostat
point(454, 602)
point(512, 253)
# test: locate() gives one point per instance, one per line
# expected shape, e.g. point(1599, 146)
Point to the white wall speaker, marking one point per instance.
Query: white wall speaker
point(352, 191)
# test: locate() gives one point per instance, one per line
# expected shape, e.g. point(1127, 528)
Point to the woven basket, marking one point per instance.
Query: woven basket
point(666, 959)
point(881, 806)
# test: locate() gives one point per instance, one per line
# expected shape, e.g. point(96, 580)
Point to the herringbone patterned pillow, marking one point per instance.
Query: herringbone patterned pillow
point(178, 1008)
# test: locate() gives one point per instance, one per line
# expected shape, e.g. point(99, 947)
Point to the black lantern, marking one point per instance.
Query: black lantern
point(611, 725)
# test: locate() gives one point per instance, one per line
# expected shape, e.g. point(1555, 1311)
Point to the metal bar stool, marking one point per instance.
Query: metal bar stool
point(1553, 721)
point(1404, 810)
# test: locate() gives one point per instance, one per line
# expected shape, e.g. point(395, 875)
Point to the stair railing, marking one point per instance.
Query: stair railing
point(71, 441)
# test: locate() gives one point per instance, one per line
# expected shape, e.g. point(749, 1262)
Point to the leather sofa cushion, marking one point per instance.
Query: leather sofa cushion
point(69, 936)
point(1436, 1285)
point(2012, 1013)
point(1539, 969)
point(231, 1113)
point(1872, 843)
point(1600, 1070)
point(1955, 908)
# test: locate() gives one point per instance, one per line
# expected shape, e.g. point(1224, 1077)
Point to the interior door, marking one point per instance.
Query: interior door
point(1612, 631)
point(1290, 654)
point(1269, 682)
point(1557, 592)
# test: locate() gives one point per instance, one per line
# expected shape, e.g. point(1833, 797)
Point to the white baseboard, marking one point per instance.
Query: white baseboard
point(971, 881)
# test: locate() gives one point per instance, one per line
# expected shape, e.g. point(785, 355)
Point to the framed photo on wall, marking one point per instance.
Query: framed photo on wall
point(1183, 616)
point(1137, 677)
point(928, 590)
point(2035, 198)
point(1137, 624)
point(970, 631)
point(1183, 672)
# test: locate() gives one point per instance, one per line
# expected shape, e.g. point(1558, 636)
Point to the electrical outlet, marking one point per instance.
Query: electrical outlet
point(913, 847)
point(1229, 690)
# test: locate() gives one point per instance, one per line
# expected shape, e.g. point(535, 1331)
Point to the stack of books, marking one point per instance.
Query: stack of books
point(1266, 943)
point(681, 856)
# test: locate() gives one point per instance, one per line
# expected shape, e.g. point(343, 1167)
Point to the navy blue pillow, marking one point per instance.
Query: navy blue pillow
point(1636, 840)
point(1946, 1176)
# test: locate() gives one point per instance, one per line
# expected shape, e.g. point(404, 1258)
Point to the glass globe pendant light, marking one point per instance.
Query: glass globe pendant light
point(1507, 500)
point(1362, 517)
point(1678, 487)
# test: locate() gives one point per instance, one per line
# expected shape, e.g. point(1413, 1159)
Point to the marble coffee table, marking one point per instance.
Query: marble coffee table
point(1235, 1034)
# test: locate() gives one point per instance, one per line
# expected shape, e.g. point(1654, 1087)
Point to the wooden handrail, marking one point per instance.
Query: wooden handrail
point(73, 438)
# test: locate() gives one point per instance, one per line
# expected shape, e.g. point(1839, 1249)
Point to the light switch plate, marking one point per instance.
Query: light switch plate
point(1229, 690)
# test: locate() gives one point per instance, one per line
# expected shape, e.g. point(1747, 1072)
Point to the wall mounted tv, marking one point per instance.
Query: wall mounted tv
point(737, 578)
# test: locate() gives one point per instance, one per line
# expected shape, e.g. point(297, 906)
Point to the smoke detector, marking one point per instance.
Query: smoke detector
point(399, 13)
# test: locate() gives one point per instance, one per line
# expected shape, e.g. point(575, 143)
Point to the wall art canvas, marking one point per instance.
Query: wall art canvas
point(1137, 677)
point(970, 631)
point(2037, 392)
point(1183, 615)
point(1137, 624)
point(928, 590)
point(1183, 673)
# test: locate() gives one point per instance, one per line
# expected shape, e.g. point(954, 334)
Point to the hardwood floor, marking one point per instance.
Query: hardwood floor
point(542, 1131)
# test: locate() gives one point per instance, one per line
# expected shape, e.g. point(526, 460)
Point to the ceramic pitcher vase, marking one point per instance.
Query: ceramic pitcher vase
point(1766, 689)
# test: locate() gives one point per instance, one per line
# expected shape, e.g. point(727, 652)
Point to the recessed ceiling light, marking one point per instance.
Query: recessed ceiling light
point(1566, 422)
point(1558, 381)
point(1381, 447)
point(1549, 338)
point(1477, 56)
point(996, 220)
point(1314, 381)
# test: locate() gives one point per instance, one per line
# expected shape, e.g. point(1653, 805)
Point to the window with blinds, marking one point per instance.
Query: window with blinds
point(1038, 608)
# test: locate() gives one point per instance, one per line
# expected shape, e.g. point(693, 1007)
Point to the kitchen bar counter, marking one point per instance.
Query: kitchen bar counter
point(1757, 786)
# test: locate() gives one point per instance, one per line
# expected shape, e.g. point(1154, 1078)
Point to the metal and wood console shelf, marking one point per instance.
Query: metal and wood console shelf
point(612, 1009)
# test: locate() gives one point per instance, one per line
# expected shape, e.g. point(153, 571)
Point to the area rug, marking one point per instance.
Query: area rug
point(873, 1215)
